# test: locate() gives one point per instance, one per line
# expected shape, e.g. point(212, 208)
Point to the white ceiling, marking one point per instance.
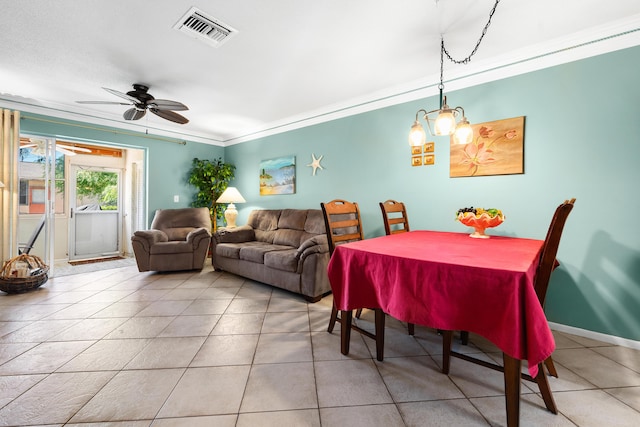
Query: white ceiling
point(292, 62)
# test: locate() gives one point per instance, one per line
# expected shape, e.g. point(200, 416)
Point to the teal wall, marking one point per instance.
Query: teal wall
point(168, 162)
point(569, 152)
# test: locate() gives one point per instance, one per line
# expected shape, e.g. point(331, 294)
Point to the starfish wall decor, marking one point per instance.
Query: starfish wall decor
point(315, 163)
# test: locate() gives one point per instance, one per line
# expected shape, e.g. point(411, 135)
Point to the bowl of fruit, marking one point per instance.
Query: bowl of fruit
point(480, 219)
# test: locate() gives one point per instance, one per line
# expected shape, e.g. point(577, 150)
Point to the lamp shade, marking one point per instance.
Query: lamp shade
point(231, 195)
point(1, 184)
point(417, 136)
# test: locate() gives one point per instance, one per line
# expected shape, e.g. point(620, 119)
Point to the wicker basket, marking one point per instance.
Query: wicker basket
point(38, 274)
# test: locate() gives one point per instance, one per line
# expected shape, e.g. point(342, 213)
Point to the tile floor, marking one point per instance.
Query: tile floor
point(123, 348)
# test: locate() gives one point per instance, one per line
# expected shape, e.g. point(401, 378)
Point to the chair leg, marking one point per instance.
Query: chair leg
point(447, 338)
point(379, 321)
point(551, 367)
point(333, 319)
point(545, 390)
point(358, 313)
point(412, 328)
point(464, 337)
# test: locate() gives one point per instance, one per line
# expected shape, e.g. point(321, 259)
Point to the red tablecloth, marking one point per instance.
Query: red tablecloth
point(449, 281)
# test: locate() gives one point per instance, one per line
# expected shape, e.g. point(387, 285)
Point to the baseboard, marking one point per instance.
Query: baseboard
point(612, 339)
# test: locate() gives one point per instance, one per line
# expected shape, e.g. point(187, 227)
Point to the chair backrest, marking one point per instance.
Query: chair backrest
point(394, 215)
point(550, 249)
point(342, 222)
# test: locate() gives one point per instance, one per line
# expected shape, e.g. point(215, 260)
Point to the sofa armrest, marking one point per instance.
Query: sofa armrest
point(240, 234)
point(314, 245)
point(194, 237)
point(149, 238)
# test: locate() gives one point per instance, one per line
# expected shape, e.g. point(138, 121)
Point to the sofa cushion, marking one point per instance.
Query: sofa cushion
point(285, 260)
point(288, 237)
point(292, 219)
point(256, 251)
point(264, 219)
point(228, 250)
point(315, 222)
point(171, 248)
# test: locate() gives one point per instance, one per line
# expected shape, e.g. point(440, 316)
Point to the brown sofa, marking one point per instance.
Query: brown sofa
point(284, 248)
point(179, 239)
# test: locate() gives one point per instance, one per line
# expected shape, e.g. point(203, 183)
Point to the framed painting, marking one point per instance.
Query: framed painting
point(429, 147)
point(497, 148)
point(278, 176)
point(429, 159)
point(416, 161)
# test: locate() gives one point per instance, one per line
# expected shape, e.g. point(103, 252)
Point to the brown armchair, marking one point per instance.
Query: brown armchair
point(179, 239)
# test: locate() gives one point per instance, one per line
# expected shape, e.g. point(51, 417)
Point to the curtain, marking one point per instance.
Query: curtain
point(9, 147)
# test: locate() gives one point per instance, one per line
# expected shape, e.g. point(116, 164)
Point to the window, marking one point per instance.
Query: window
point(31, 172)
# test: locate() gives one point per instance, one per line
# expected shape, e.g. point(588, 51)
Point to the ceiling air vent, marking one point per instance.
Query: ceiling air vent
point(205, 28)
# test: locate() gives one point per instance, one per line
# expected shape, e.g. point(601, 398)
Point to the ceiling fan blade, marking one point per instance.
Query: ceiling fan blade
point(65, 151)
point(72, 148)
point(122, 95)
point(133, 114)
point(165, 104)
point(170, 115)
point(103, 102)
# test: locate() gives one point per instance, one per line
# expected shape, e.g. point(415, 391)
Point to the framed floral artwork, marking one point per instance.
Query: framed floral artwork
point(497, 148)
point(416, 161)
point(429, 159)
point(429, 147)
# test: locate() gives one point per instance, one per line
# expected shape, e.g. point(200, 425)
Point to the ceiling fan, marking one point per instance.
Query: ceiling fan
point(143, 101)
point(38, 147)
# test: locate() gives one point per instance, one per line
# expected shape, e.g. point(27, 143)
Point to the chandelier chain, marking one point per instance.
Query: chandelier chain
point(475, 49)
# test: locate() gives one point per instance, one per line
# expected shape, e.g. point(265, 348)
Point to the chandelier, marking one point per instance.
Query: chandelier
point(447, 120)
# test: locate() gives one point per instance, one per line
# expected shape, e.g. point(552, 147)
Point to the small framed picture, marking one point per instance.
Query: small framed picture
point(429, 159)
point(416, 149)
point(428, 147)
point(416, 161)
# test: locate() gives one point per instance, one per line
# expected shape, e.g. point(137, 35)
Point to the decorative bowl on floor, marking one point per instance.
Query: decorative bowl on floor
point(480, 222)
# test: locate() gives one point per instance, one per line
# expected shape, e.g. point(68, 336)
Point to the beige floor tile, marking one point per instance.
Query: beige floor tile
point(106, 355)
point(79, 311)
point(142, 423)
point(13, 386)
point(164, 308)
point(416, 378)
point(54, 399)
point(248, 305)
point(299, 418)
point(319, 320)
point(130, 395)
point(140, 327)
point(254, 290)
point(207, 306)
point(70, 297)
point(222, 292)
point(289, 385)
point(182, 293)
point(532, 412)
point(122, 309)
point(89, 329)
point(44, 358)
point(285, 322)
point(107, 296)
point(283, 348)
point(288, 302)
point(362, 416)
point(38, 331)
point(596, 368)
point(454, 412)
point(10, 350)
point(207, 391)
point(595, 408)
point(625, 356)
point(397, 343)
point(190, 326)
point(145, 294)
point(350, 383)
point(326, 346)
point(207, 421)
point(628, 395)
point(228, 324)
point(167, 353)
point(220, 350)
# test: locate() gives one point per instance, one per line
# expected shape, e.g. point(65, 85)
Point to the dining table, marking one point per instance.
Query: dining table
point(450, 281)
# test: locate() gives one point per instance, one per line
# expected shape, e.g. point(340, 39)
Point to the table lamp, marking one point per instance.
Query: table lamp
point(231, 195)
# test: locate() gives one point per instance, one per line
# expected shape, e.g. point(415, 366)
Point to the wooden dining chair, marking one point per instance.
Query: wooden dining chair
point(343, 224)
point(394, 216)
point(546, 266)
point(396, 220)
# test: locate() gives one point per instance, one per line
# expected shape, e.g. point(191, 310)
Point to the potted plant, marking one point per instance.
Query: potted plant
point(211, 177)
